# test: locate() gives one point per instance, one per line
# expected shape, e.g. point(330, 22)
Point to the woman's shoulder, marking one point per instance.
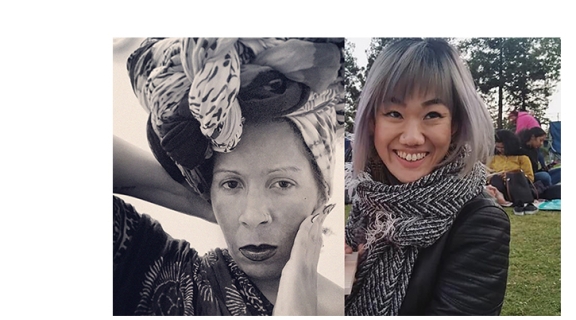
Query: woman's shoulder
point(145, 258)
point(483, 216)
point(523, 156)
point(480, 205)
point(140, 235)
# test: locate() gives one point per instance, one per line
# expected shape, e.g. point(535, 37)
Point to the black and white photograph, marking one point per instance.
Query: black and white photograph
point(228, 176)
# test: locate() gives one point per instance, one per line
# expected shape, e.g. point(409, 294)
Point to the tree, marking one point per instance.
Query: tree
point(354, 81)
point(356, 76)
point(520, 73)
point(516, 73)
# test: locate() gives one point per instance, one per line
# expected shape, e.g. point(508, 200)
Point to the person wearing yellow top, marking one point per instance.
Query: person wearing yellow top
point(508, 156)
point(502, 163)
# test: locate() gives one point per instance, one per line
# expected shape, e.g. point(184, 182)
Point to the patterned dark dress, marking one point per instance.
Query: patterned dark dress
point(157, 275)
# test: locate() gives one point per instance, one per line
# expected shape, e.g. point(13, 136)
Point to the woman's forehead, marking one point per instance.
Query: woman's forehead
point(269, 145)
point(405, 91)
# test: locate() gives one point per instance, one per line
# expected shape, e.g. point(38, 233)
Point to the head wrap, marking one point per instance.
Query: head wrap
point(199, 92)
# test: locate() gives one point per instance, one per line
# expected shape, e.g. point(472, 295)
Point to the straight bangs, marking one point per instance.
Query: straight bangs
point(420, 72)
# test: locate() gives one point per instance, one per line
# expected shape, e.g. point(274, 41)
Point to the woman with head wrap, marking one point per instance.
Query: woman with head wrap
point(431, 242)
point(246, 131)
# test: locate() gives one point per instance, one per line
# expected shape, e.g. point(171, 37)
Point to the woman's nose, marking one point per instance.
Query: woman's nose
point(412, 134)
point(255, 211)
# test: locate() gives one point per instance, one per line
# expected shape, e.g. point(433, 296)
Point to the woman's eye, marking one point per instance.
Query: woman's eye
point(283, 184)
point(433, 115)
point(393, 114)
point(231, 184)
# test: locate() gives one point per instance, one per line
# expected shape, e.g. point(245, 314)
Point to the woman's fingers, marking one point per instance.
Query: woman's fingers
point(297, 293)
point(348, 249)
point(308, 241)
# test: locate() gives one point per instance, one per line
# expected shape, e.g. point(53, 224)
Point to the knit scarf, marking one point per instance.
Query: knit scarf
point(395, 222)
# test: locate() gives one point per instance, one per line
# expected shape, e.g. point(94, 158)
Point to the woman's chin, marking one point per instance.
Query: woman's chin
point(406, 172)
point(262, 273)
point(266, 270)
point(407, 176)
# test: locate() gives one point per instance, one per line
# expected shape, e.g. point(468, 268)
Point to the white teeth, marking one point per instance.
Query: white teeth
point(411, 156)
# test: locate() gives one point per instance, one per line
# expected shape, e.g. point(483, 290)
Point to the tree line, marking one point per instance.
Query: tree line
point(509, 73)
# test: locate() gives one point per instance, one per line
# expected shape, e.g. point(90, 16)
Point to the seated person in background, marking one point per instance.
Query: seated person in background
point(532, 140)
point(508, 156)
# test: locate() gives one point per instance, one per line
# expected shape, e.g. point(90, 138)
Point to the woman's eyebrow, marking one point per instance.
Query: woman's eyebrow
point(426, 103)
point(225, 171)
point(273, 170)
point(285, 169)
point(431, 102)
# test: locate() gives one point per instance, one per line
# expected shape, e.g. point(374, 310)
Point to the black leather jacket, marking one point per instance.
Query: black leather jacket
point(465, 271)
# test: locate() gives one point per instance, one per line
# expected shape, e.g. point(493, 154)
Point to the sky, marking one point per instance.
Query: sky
point(361, 44)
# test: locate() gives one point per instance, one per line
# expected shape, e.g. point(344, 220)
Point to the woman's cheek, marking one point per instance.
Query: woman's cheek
point(294, 209)
point(225, 208)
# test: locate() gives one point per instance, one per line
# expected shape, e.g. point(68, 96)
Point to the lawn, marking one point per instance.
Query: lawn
point(534, 273)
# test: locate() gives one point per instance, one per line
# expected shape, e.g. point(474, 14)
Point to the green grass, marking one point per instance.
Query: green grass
point(534, 272)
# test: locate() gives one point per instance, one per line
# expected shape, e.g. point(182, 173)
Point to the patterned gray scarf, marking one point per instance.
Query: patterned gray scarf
point(395, 222)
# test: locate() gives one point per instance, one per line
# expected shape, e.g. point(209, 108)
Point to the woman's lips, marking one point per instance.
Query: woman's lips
point(258, 253)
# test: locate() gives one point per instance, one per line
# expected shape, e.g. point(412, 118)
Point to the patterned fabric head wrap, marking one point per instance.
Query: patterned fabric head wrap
point(199, 92)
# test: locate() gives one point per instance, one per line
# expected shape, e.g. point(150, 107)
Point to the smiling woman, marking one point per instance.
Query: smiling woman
point(421, 135)
point(412, 137)
point(243, 137)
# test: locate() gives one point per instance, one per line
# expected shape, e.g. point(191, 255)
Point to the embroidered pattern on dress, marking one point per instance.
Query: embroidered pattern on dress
point(125, 222)
point(167, 290)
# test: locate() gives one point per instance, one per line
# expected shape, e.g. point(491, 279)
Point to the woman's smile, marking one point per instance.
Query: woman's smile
point(411, 137)
point(410, 160)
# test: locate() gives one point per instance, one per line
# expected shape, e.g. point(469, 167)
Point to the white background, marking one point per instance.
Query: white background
point(57, 112)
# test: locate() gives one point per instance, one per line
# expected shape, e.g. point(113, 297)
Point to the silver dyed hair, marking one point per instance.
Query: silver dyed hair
point(419, 66)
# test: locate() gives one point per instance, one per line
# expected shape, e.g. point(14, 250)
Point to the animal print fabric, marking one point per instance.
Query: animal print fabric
point(199, 80)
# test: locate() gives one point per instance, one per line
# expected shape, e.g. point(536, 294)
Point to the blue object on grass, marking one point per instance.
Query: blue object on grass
point(552, 205)
point(555, 128)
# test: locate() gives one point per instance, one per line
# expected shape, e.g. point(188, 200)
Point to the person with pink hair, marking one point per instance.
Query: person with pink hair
point(523, 120)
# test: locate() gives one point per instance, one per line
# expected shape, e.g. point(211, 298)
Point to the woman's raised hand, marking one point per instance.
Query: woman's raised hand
point(297, 292)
